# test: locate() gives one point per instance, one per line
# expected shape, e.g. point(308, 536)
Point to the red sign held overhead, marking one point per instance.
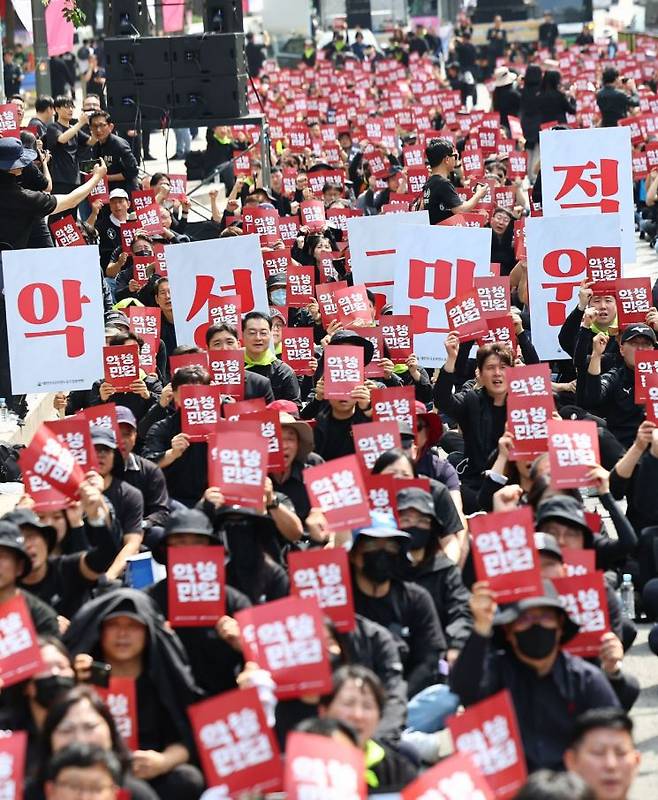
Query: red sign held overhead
point(195, 585)
point(337, 489)
point(325, 576)
point(20, 654)
point(66, 232)
point(237, 464)
point(320, 767)
point(573, 449)
point(530, 405)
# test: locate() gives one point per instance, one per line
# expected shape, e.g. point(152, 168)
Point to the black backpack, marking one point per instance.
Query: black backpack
point(9, 455)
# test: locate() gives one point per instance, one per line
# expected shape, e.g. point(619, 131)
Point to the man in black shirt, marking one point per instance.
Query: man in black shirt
point(548, 32)
point(616, 98)
point(44, 114)
point(64, 140)
point(122, 168)
point(13, 74)
point(439, 195)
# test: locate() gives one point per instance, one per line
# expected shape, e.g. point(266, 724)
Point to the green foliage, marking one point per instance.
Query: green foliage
point(71, 13)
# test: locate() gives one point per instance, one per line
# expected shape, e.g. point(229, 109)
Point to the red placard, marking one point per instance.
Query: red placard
point(312, 215)
point(397, 330)
point(325, 576)
point(104, 416)
point(489, 732)
point(195, 585)
point(343, 370)
point(373, 335)
point(287, 638)
point(268, 424)
point(127, 233)
point(338, 217)
point(324, 294)
point(178, 189)
point(46, 457)
point(494, 295)
point(578, 561)
point(145, 198)
point(264, 222)
point(297, 349)
point(45, 497)
point(121, 699)
point(394, 403)
point(66, 233)
point(10, 126)
point(518, 164)
point(200, 410)
point(499, 330)
point(188, 360)
point(585, 600)
point(573, 449)
point(227, 371)
point(646, 366)
point(320, 767)
point(20, 655)
point(143, 268)
point(473, 163)
point(633, 300)
point(454, 778)
point(161, 259)
point(101, 191)
point(504, 554)
point(73, 433)
point(337, 489)
point(237, 464)
point(236, 746)
point(416, 179)
point(352, 304)
point(233, 411)
point(144, 321)
point(651, 401)
point(13, 748)
point(149, 220)
point(371, 439)
point(288, 229)
point(300, 286)
point(225, 310)
point(121, 365)
point(603, 264)
point(465, 316)
point(276, 262)
point(530, 405)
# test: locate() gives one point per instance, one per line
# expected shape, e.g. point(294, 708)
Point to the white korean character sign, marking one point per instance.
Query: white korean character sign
point(504, 554)
point(343, 370)
point(195, 585)
point(454, 778)
point(200, 270)
point(337, 489)
point(589, 171)
point(120, 697)
point(52, 461)
point(13, 749)
point(585, 600)
point(200, 410)
point(489, 732)
point(325, 576)
point(573, 450)
point(54, 310)
point(434, 265)
point(227, 371)
point(237, 464)
point(651, 398)
point(237, 748)
point(557, 263)
point(74, 433)
point(319, 767)
point(372, 242)
point(287, 638)
point(395, 404)
point(530, 405)
point(20, 654)
point(121, 365)
point(371, 439)
point(297, 349)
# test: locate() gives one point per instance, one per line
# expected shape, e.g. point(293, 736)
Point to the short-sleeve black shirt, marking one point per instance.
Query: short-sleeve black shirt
point(19, 209)
point(439, 198)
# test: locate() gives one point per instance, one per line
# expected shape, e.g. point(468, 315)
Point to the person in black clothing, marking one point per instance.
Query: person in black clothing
point(255, 54)
point(13, 74)
point(258, 357)
point(162, 295)
point(215, 655)
point(585, 36)
point(593, 314)
point(439, 195)
point(64, 140)
point(36, 177)
point(122, 170)
point(44, 109)
point(616, 97)
point(530, 114)
point(506, 99)
point(108, 225)
point(525, 656)
point(225, 337)
point(502, 240)
point(548, 32)
point(466, 53)
point(554, 104)
point(297, 444)
point(496, 43)
point(613, 394)
point(481, 413)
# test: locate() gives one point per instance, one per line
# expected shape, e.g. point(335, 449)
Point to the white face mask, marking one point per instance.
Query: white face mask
point(278, 297)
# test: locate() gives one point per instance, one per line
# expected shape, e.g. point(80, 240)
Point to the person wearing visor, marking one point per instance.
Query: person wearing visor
point(519, 647)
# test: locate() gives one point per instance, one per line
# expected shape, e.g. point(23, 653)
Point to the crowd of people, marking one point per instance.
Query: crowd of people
point(429, 635)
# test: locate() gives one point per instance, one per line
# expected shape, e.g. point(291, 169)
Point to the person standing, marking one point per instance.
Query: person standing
point(548, 33)
point(122, 167)
point(64, 139)
point(616, 97)
point(255, 56)
point(439, 195)
point(496, 43)
point(13, 74)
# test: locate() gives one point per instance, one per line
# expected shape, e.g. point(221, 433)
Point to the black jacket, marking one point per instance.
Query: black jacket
point(614, 105)
point(577, 341)
point(554, 106)
point(285, 385)
point(506, 100)
point(612, 396)
point(137, 404)
point(150, 480)
point(545, 707)
point(120, 160)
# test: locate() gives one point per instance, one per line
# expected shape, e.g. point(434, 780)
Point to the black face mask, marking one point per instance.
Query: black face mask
point(48, 688)
point(537, 641)
point(419, 538)
point(244, 549)
point(379, 566)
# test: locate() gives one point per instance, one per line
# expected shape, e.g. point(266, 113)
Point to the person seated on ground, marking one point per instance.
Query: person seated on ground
point(225, 337)
point(519, 648)
point(547, 784)
point(259, 358)
point(87, 768)
point(594, 313)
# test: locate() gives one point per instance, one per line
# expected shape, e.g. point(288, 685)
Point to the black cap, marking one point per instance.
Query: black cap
point(639, 329)
point(549, 599)
point(416, 498)
point(12, 539)
point(568, 509)
point(103, 436)
point(547, 543)
point(25, 516)
point(347, 337)
point(188, 520)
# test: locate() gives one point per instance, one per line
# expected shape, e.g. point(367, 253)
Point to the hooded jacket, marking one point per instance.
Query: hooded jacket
point(612, 395)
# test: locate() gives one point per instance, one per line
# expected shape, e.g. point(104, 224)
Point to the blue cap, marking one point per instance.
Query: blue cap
point(382, 526)
point(13, 155)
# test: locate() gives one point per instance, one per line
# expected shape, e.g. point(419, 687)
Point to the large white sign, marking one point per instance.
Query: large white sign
point(199, 271)
point(372, 248)
point(54, 318)
point(434, 264)
point(587, 172)
point(557, 263)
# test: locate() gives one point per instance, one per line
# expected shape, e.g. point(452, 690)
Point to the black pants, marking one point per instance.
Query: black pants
point(182, 783)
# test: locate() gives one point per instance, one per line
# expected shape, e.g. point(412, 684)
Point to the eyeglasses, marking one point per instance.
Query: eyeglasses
point(90, 789)
point(454, 155)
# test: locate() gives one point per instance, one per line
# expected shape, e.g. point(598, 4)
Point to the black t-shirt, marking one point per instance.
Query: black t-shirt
point(64, 165)
point(64, 588)
point(128, 505)
point(19, 209)
point(439, 198)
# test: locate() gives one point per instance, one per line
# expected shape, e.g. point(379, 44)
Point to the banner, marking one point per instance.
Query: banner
point(54, 310)
point(590, 171)
point(557, 263)
point(195, 585)
point(20, 654)
point(324, 575)
point(433, 266)
point(372, 243)
point(317, 766)
point(200, 270)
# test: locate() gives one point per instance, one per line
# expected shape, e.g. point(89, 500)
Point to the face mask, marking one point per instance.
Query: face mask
point(379, 565)
point(278, 297)
point(419, 538)
point(48, 688)
point(537, 642)
point(244, 551)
